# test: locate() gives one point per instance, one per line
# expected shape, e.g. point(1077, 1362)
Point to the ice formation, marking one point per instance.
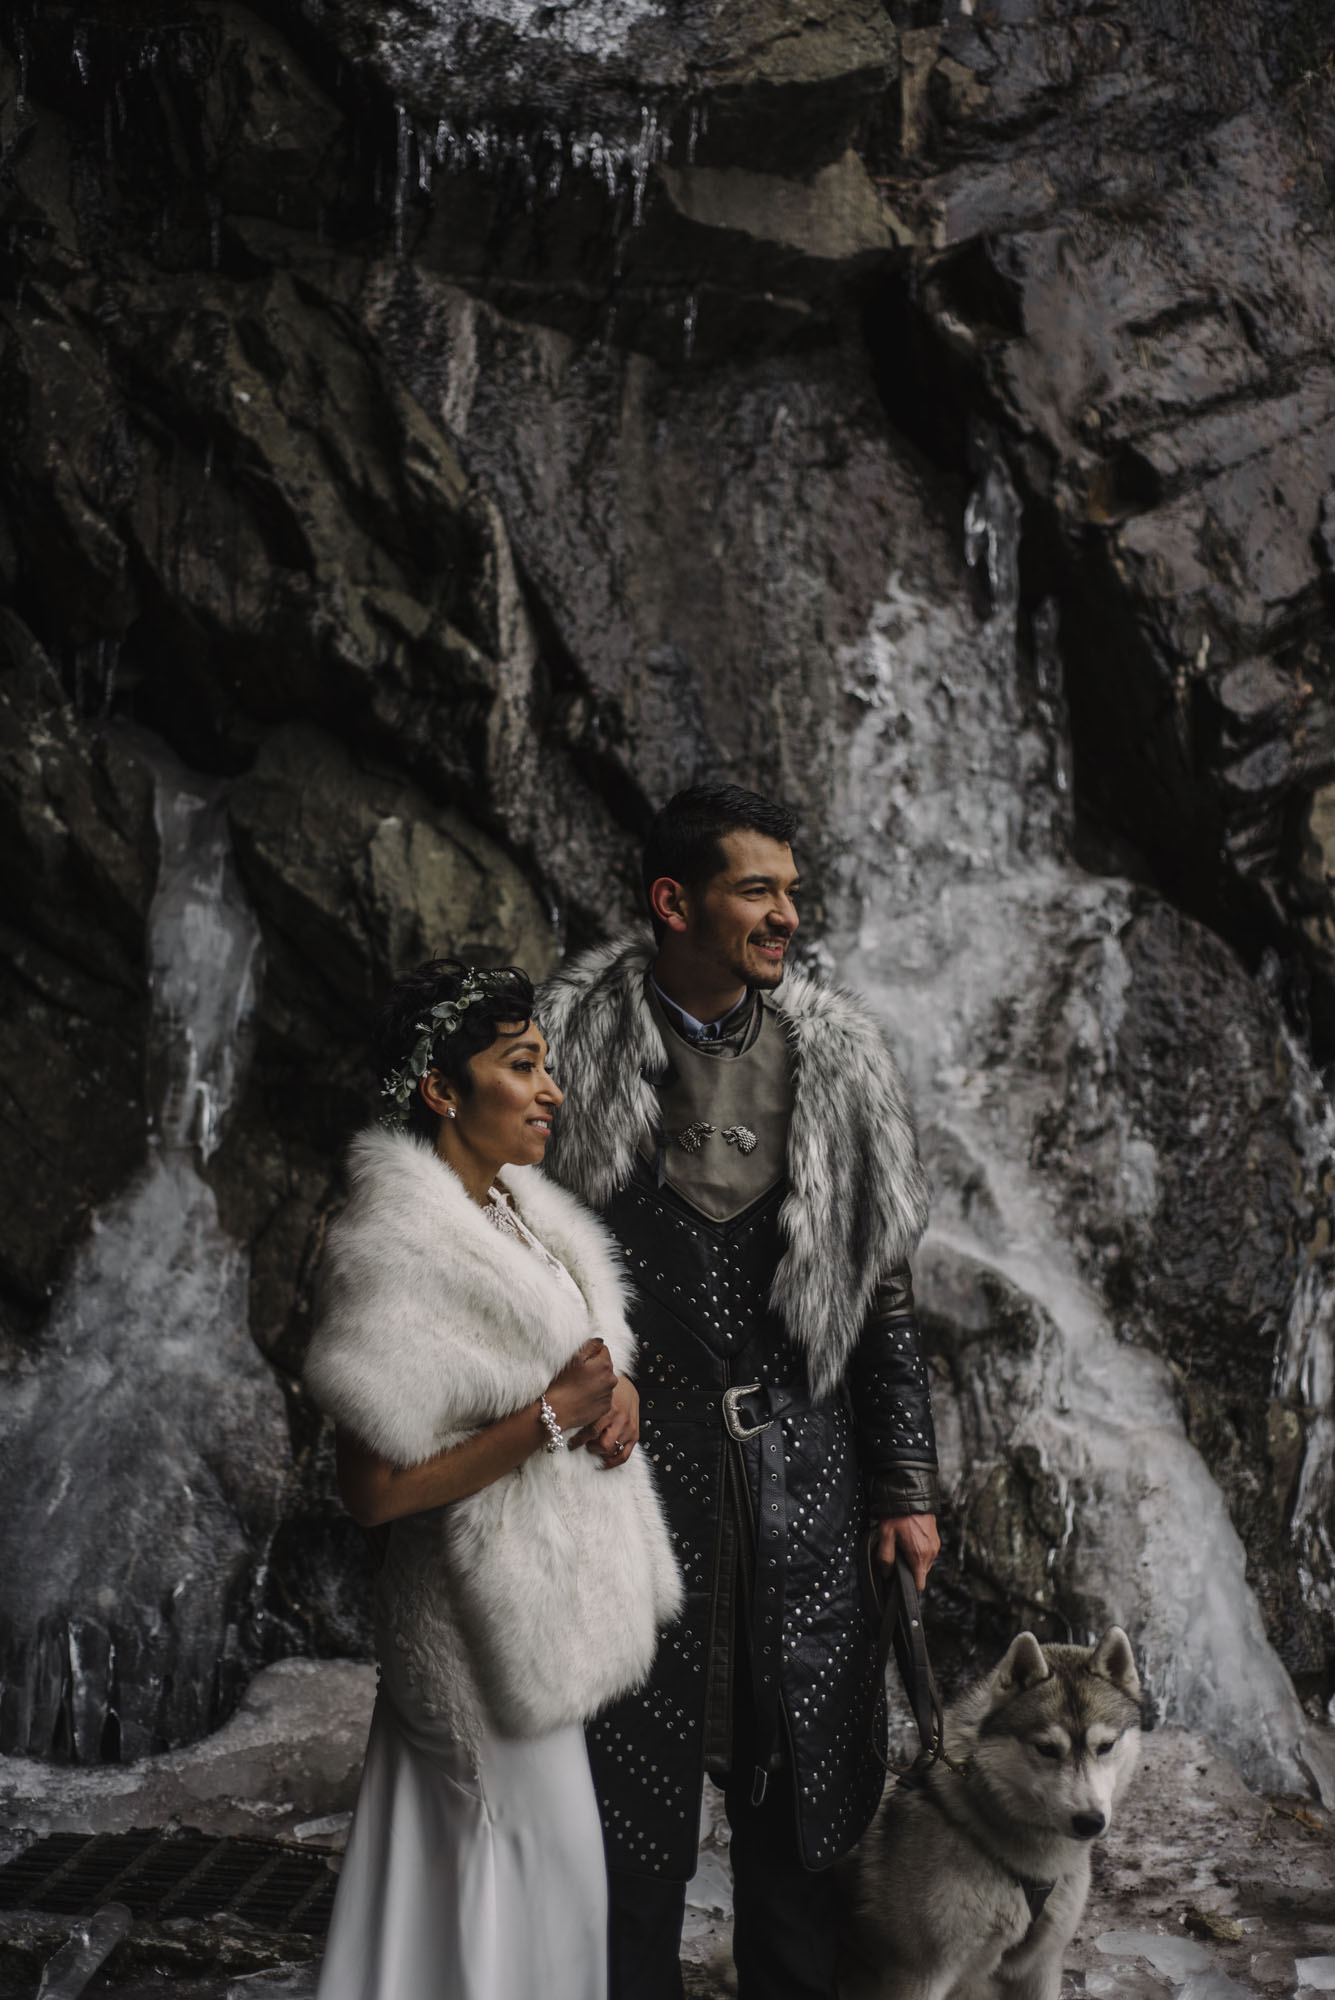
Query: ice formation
point(957, 912)
point(143, 1443)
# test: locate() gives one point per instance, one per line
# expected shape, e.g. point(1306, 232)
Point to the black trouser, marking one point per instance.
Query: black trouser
point(785, 1935)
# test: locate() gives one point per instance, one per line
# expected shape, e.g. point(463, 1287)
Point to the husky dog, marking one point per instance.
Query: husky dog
point(971, 1882)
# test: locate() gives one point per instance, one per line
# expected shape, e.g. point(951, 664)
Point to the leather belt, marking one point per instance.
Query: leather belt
point(744, 1410)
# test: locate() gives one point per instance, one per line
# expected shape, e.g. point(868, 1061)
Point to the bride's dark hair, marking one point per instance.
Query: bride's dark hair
point(502, 998)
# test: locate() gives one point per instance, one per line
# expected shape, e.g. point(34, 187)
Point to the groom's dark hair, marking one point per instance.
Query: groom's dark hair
point(684, 841)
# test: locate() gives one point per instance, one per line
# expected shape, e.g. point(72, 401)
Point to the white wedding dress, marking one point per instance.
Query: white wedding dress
point(470, 1877)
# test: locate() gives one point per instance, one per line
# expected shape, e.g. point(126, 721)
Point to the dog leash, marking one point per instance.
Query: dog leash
point(901, 1631)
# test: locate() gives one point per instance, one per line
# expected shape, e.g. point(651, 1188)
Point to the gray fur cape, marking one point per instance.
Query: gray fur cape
point(857, 1197)
point(537, 1601)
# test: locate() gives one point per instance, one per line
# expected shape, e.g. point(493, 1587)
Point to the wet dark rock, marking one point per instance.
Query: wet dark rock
point(355, 876)
point(762, 89)
point(1316, 878)
point(1124, 256)
point(1200, 1205)
point(1006, 1528)
point(652, 473)
point(158, 1954)
point(252, 545)
point(77, 859)
point(1204, 1240)
point(269, 135)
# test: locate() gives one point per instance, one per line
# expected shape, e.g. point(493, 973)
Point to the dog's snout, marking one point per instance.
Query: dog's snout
point(1088, 1824)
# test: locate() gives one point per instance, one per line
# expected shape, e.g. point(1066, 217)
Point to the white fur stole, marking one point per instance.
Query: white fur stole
point(538, 1600)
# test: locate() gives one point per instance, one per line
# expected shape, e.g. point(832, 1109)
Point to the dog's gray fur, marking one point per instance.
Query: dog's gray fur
point(939, 1908)
point(857, 1197)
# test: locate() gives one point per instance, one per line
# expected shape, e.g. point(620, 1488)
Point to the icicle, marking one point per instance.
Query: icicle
point(1051, 686)
point(203, 956)
point(402, 158)
point(688, 326)
point(595, 153)
point(108, 659)
point(523, 158)
point(1304, 1375)
point(646, 152)
point(992, 528)
point(1055, 718)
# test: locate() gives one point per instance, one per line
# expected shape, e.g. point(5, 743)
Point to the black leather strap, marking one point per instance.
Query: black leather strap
point(764, 1405)
point(773, 1400)
point(901, 1631)
point(756, 1412)
point(759, 1412)
point(768, 1598)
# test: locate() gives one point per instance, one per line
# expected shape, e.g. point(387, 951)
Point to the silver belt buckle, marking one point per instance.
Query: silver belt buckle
point(735, 1427)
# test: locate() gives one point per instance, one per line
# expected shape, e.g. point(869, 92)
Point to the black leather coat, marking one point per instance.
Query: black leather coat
point(779, 1514)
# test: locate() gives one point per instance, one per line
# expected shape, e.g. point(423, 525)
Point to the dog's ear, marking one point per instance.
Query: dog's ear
point(1023, 1666)
point(1113, 1659)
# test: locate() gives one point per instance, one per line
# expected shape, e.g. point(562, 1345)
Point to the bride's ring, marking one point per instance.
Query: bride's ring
point(619, 1445)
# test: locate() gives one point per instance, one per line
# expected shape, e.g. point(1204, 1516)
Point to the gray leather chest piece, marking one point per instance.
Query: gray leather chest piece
point(750, 1095)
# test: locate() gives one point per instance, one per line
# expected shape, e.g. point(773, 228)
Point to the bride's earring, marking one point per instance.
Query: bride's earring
point(449, 1111)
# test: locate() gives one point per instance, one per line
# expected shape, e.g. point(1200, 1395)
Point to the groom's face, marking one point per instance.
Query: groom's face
point(742, 920)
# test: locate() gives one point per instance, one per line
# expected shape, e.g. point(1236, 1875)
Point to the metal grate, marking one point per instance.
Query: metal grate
point(163, 1875)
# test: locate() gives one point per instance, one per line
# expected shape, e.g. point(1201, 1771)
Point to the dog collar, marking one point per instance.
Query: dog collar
point(1035, 1894)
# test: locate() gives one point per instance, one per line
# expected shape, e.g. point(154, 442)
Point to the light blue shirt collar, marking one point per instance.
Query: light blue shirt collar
point(699, 1031)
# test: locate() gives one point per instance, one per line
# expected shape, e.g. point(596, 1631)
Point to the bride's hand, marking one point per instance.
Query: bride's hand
point(617, 1436)
point(581, 1394)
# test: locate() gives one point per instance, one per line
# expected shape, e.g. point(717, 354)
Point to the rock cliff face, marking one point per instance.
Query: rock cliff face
point(432, 435)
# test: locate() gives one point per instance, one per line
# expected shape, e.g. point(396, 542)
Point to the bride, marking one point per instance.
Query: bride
point(471, 1347)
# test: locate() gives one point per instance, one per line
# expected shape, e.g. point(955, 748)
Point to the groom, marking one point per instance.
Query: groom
point(745, 1134)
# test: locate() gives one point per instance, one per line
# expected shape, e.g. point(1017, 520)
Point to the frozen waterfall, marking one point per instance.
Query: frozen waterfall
point(143, 1444)
point(961, 919)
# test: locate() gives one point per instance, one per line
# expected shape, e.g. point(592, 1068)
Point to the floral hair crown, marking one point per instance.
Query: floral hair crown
point(443, 1020)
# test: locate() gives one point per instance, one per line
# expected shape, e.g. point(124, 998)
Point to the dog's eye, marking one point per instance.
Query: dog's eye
point(1102, 1749)
point(1049, 1750)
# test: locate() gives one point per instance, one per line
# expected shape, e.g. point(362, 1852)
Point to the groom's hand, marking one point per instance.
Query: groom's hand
point(914, 1537)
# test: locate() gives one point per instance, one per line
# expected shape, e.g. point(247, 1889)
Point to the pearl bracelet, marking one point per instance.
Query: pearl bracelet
point(551, 1424)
